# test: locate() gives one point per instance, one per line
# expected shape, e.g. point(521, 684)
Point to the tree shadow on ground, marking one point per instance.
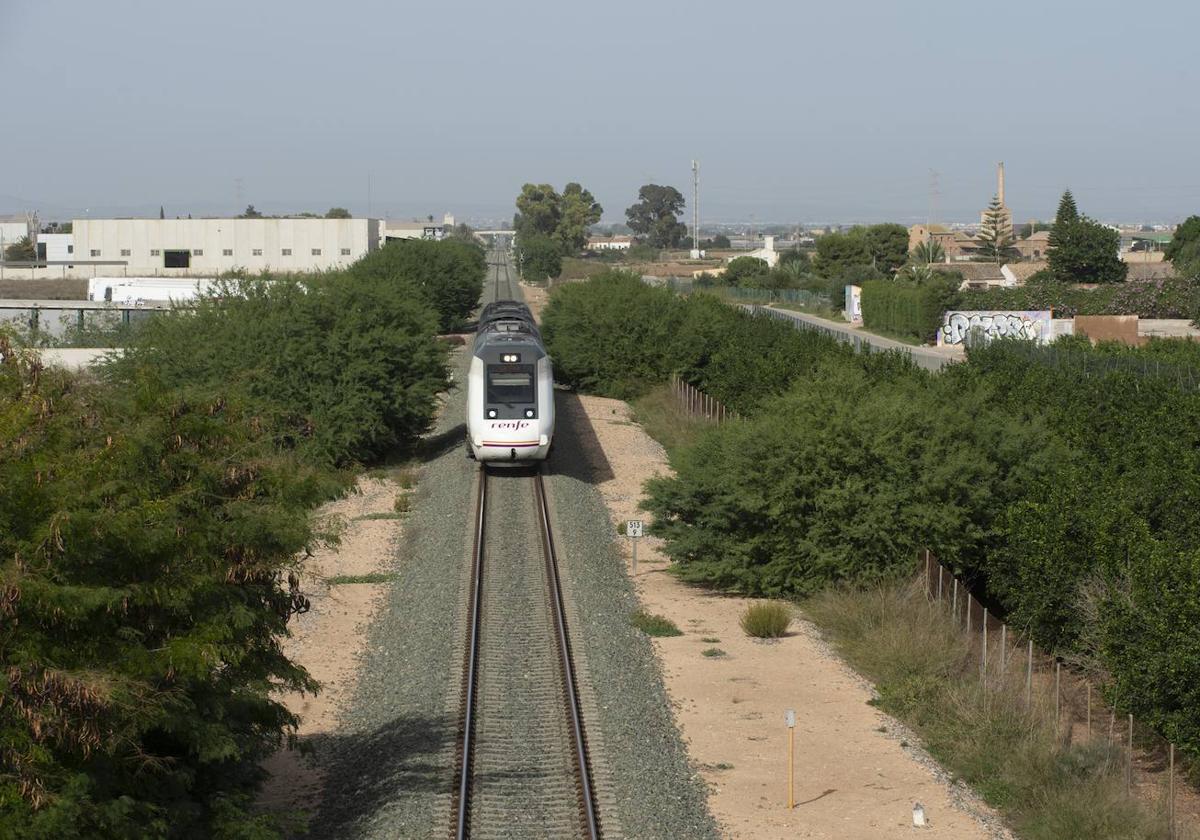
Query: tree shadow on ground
point(432, 447)
point(367, 771)
point(577, 451)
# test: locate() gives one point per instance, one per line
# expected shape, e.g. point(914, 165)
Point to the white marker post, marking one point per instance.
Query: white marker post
point(633, 530)
point(791, 725)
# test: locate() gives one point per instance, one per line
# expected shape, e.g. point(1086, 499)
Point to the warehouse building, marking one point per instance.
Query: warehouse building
point(158, 247)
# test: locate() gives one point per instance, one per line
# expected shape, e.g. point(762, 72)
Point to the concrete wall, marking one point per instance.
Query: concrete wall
point(218, 245)
point(59, 246)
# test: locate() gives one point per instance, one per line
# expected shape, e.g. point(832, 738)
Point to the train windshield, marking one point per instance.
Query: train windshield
point(510, 384)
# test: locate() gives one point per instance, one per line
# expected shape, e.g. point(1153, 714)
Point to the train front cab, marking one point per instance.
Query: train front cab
point(514, 409)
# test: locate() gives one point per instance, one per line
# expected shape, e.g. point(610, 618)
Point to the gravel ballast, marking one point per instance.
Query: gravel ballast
point(390, 768)
point(391, 765)
point(646, 782)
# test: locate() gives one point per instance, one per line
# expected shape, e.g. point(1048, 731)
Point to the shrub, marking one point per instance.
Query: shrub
point(745, 271)
point(654, 625)
point(768, 620)
point(843, 478)
point(610, 334)
point(908, 308)
point(147, 534)
point(449, 274)
point(346, 369)
point(539, 257)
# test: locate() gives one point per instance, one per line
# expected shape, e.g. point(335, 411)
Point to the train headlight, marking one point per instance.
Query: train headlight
point(510, 358)
point(491, 412)
point(529, 412)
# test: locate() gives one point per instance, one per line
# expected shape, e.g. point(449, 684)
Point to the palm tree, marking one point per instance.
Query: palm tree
point(928, 252)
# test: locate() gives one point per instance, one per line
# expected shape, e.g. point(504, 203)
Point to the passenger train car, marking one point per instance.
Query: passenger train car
point(510, 388)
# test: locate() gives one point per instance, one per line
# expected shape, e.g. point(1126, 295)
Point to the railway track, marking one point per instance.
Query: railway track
point(523, 762)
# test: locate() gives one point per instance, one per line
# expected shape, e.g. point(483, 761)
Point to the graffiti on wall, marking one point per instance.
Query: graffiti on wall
point(962, 327)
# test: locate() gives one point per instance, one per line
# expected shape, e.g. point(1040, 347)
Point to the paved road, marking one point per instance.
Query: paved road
point(930, 358)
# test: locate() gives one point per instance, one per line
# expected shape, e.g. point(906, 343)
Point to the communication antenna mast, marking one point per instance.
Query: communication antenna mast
point(695, 209)
point(934, 192)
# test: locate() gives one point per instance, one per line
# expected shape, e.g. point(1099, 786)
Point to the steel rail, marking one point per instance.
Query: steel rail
point(587, 801)
point(472, 663)
point(589, 820)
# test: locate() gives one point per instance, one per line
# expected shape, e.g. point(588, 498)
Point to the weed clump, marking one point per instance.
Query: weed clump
point(654, 625)
point(768, 620)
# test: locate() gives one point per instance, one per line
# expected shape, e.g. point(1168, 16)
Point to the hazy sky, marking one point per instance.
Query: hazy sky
point(797, 111)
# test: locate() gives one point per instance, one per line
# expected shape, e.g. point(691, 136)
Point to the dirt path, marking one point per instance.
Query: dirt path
point(856, 774)
point(329, 639)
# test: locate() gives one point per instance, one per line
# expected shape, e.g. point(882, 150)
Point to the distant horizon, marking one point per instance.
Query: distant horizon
point(505, 221)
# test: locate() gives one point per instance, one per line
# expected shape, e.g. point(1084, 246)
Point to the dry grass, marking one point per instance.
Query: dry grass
point(767, 620)
point(1046, 787)
point(660, 415)
point(14, 287)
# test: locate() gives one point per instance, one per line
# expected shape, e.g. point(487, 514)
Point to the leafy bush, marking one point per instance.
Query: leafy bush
point(610, 334)
point(616, 336)
point(843, 478)
point(147, 534)
point(1168, 297)
point(539, 257)
point(346, 368)
point(769, 620)
point(908, 308)
point(742, 270)
point(449, 273)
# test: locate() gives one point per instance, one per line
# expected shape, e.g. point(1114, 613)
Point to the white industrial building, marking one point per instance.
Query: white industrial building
point(56, 247)
point(159, 247)
point(12, 230)
point(419, 229)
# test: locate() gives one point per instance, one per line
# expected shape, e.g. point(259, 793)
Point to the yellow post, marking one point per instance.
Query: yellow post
point(791, 724)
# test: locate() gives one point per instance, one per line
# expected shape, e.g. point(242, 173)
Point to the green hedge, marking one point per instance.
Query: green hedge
point(907, 308)
point(616, 336)
point(449, 274)
point(346, 367)
point(1174, 297)
point(1063, 483)
point(150, 520)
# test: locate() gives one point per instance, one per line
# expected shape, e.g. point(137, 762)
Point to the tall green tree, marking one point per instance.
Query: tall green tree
point(1067, 214)
point(655, 217)
point(539, 256)
point(1184, 248)
point(995, 235)
point(1086, 251)
point(888, 244)
point(837, 252)
point(539, 209)
point(578, 211)
point(337, 213)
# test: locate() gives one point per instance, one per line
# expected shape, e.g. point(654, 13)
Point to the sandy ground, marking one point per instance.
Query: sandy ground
point(329, 638)
point(856, 773)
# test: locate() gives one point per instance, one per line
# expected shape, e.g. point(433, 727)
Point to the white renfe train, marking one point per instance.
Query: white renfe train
point(510, 388)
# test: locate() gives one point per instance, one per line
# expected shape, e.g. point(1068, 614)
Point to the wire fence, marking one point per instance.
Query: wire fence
point(1013, 667)
point(699, 404)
